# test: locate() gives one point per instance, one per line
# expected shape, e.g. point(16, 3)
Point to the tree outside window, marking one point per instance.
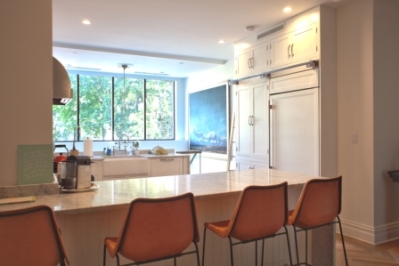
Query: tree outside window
point(107, 108)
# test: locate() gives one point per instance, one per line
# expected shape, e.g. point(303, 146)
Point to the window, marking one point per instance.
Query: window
point(106, 108)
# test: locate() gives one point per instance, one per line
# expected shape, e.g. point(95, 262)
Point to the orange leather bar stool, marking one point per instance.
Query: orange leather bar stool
point(156, 229)
point(31, 237)
point(318, 205)
point(259, 214)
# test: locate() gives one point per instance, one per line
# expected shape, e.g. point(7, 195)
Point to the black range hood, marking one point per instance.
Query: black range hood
point(62, 92)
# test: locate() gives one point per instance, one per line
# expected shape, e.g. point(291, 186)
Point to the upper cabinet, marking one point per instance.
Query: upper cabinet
point(294, 47)
point(252, 61)
point(289, 43)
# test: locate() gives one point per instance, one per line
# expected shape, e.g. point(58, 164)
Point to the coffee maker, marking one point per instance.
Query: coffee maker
point(75, 172)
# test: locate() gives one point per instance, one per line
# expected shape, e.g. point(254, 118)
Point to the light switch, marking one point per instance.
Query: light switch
point(354, 138)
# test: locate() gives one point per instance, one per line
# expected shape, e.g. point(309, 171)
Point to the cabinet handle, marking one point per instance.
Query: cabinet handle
point(167, 160)
point(249, 120)
point(249, 62)
point(292, 50)
point(288, 50)
point(252, 120)
point(252, 63)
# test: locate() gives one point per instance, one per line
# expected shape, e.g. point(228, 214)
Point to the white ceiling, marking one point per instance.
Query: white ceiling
point(173, 38)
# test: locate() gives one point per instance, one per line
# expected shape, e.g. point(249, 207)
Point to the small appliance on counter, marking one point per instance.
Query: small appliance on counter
point(66, 174)
point(83, 171)
point(59, 158)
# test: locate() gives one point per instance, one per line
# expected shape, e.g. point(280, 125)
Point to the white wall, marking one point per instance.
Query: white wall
point(367, 90)
point(25, 80)
point(211, 77)
point(386, 113)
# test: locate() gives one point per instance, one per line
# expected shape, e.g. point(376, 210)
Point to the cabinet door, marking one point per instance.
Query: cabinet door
point(244, 116)
point(304, 44)
point(243, 165)
point(294, 131)
point(252, 120)
point(166, 166)
point(280, 48)
point(260, 120)
point(260, 58)
point(297, 46)
point(244, 62)
point(246, 165)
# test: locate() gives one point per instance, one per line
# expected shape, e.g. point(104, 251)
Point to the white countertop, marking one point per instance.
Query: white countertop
point(112, 194)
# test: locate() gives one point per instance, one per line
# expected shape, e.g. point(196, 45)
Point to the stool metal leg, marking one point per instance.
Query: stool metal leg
point(296, 245)
point(288, 245)
point(231, 252)
point(342, 239)
point(203, 248)
point(263, 251)
point(104, 255)
point(256, 253)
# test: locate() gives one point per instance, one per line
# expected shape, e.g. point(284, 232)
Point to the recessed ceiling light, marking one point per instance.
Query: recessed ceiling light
point(287, 9)
point(86, 22)
point(221, 41)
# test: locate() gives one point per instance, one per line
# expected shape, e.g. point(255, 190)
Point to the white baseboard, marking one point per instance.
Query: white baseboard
point(369, 234)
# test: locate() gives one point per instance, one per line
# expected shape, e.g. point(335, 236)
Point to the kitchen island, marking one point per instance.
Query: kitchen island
point(86, 218)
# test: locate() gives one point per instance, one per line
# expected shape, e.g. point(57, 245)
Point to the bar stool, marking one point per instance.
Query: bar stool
point(259, 214)
point(156, 229)
point(318, 205)
point(31, 236)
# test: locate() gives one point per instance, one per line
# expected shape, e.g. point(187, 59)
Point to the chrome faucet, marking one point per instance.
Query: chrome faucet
point(124, 139)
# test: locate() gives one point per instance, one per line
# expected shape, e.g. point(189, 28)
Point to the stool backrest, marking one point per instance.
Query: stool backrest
point(158, 228)
point(30, 237)
point(319, 203)
point(261, 211)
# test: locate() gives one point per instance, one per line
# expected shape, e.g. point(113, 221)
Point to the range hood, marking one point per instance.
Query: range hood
point(62, 92)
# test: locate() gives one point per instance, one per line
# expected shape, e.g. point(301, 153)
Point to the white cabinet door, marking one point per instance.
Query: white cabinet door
point(252, 120)
point(252, 61)
point(294, 131)
point(260, 58)
point(247, 164)
point(243, 64)
point(244, 116)
point(294, 47)
point(168, 166)
point(304, 44)
point(280, 50)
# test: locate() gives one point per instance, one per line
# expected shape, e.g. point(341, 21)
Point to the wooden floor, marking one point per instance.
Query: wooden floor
point(363, 254)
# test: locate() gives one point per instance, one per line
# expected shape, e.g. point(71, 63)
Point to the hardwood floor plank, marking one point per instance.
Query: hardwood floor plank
point(364, 254)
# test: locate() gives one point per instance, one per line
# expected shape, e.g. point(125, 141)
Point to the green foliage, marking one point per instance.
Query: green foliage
point(133, 117)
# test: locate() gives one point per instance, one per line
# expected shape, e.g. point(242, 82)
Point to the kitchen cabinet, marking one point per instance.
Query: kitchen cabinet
point(253, 60)
point(243, 164)
point(314, 111)
point(124, 167)
point(294, 124)
point(168, 165)
point(252, 126)
point(294, 47)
